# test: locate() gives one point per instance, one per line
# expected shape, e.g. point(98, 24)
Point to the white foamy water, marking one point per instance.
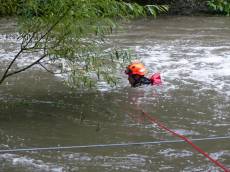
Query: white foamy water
point(201, 57)
point(29, 164)
point(175, 153)
point(115, 162)
point(10, 46)
point(189, 64)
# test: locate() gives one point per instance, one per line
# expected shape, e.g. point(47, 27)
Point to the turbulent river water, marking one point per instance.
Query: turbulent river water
point(193, 56)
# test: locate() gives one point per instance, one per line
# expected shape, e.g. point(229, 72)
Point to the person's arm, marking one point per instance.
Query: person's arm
point(145, 80)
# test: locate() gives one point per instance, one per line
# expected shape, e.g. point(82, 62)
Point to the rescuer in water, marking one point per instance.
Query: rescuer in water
point(136, 75)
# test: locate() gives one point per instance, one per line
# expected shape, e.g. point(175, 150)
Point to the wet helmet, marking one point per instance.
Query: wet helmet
point(136, 68)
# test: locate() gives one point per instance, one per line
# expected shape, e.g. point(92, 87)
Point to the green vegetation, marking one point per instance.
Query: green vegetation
point(75, 30)
point(8, 7)
point(220, 6)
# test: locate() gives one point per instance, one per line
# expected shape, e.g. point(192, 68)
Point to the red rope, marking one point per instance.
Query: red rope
point(162, 126)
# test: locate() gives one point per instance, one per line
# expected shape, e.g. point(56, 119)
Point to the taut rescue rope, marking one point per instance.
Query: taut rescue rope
point(162, 126)
point(58, 148)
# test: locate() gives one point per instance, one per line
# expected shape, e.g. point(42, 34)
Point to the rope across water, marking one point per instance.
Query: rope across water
point(58, 148)
point(151, 120)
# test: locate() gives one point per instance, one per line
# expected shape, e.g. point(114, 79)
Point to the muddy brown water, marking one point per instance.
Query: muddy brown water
point(193, 56)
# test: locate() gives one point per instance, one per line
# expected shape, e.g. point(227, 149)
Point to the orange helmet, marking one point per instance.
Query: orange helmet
point(136, 69)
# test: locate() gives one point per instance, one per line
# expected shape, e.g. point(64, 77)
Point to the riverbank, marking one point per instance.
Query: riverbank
point(188, 7)
point(180, 7)
point(176, 7)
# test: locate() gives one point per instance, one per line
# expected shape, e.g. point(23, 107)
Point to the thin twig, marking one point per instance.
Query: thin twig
point(51, 28)
point(15, 58)
point(6, 74)
point(10, 65)
point(27, 67)
point(32, 36)
point(55, 73)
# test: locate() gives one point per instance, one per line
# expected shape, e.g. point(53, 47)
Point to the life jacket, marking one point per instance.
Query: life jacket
point(156, 79)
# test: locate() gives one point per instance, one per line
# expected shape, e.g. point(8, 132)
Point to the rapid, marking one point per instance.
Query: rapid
point(193, 56)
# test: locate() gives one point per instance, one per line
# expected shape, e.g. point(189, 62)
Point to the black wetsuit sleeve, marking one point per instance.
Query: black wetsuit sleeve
point(138, 81)
point(145, 81)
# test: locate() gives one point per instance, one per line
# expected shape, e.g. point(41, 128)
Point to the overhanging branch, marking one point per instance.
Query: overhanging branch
point(23, 69)
point(23, 48)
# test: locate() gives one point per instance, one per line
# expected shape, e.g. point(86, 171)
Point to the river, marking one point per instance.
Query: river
point(193, 56)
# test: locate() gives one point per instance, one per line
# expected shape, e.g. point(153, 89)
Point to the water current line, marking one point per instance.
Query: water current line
point(189, 141)
point(58, 148)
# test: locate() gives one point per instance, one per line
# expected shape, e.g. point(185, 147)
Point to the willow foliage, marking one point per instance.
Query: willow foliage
point(74, 30)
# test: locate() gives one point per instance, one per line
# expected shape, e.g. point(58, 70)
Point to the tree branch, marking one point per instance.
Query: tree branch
point(23, 48)
point(15, 58)
point(43, 66)
point(10, 65)
point(23, 69)
point(50, 29)
point(27, 43)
